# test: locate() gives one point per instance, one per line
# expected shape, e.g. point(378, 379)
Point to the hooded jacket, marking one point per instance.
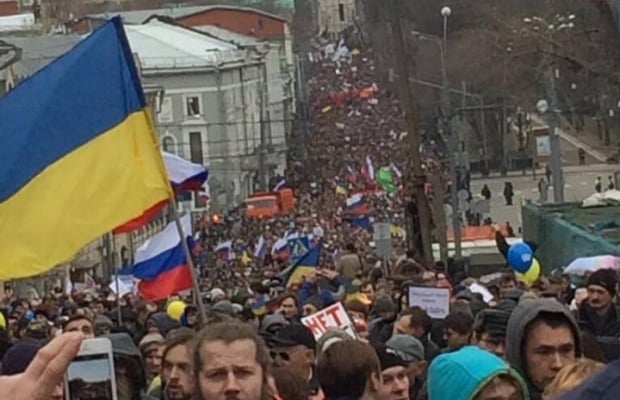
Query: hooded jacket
point(527, 311)
point(461, 375)
point(125, 350)
point(602, 386)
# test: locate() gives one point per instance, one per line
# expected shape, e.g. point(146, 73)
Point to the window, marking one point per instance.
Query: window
point(195, 147)
point(168, 144)
point(341, 12)
point(192, 106)
point(261, 24)
point(165, 110)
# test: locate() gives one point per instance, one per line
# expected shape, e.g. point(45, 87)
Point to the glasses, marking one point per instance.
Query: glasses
point(281, 354)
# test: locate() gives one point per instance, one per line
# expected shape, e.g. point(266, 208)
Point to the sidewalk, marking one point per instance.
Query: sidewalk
point(572, 169)
point(597, 155)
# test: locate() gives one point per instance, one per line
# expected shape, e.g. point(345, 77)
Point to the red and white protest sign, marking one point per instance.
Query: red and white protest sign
point(333, 316)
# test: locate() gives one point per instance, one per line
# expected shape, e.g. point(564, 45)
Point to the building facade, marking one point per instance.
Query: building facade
point(336, 15)
point(214, 110)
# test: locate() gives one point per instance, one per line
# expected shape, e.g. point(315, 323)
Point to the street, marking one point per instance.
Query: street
point(579, 185)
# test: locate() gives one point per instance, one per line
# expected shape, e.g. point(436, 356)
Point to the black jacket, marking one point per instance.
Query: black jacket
point(606, 325)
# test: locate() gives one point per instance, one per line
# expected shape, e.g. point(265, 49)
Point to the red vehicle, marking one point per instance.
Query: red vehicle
point(270, 204)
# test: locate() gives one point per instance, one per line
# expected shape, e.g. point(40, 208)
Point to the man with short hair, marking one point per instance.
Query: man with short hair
point(80, 323)
point(457, 329)
point(489, 331)
point(416, 322)
point(393, 373)
point(177, 380)
point(542, 337)
point(350, 369)
point(598, 315)
point(411, 351)
point(230, 361)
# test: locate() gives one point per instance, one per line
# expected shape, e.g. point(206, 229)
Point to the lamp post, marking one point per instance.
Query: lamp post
point(553, 119)
point(446, 12)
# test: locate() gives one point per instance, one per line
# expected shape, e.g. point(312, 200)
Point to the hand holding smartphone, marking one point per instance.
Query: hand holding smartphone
point(91, 374)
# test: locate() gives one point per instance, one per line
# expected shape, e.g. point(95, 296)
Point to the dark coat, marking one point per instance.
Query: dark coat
point(607, 325)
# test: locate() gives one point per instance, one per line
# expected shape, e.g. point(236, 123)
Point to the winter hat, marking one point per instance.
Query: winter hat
point(388, 357)
point(315, 301)
point(384, 304)
point(605, 278)
point(150, 340)
point(18, 357)
point(406, 347)
point(331, 336)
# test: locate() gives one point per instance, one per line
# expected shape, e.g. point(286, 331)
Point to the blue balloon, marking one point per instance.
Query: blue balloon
point(520, 257)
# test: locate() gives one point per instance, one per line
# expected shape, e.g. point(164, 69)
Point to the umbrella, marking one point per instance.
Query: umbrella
point(584, 265)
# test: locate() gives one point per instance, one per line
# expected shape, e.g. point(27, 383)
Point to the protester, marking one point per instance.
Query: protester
point(231, 361)
point(474, 374)
point(151, 347)
point(489, 331)
point(45, 372)
point(393, 374)
point(177, 379)
point(411, 351)
point(293, 347)
point(80, 323)
point(571, 376)
point(457, 329)
point(350, 370)
point(604, 385)
point(599, 314)
point(541, 338)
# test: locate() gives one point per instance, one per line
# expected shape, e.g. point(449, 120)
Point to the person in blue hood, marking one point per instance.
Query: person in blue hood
point(474, 374)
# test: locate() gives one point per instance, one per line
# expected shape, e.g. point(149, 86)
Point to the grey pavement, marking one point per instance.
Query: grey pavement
point(579, 185)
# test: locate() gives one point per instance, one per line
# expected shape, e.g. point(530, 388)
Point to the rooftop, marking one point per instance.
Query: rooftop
point(164, 46)
point(140, 16)
point(228, 36)
point(38, 51)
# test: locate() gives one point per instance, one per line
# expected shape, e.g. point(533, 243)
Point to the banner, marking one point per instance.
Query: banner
point(333, 316)
point(435, 301)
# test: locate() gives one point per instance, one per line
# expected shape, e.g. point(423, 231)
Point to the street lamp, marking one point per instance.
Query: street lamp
point(446, 12)
point(543, 105)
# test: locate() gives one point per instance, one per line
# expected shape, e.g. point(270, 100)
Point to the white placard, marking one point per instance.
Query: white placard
point(333, 316)
point(543, 146)
point(435, 301)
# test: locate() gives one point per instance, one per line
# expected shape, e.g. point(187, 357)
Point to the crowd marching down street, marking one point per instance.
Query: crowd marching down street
point(299, 305)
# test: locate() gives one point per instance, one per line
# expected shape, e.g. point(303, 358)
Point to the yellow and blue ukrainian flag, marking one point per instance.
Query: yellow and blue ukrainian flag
point(78, 155)
point(304, 266)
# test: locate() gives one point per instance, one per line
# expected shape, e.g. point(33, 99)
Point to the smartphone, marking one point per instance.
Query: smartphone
point(91, 374)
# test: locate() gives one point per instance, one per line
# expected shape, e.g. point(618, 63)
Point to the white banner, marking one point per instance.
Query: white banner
point(435, 301)
point(333, 316)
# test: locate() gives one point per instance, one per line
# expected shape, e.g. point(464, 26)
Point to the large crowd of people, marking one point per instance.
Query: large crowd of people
point(502, 339)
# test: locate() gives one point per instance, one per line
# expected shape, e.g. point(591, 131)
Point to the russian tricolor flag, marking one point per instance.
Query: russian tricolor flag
point(357, 205)
point(161, 265)
point(224, 251)
point(184, 175)
point(261, 248)
point(279, 250)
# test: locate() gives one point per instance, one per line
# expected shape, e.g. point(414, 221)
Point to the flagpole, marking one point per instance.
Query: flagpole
point(118, 290)
point(190, 260)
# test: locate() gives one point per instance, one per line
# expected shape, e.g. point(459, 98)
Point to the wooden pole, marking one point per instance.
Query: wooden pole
point(417, 178)
point(190, 260)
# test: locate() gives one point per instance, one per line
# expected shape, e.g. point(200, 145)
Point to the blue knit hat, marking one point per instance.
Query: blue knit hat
point(18, 357)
